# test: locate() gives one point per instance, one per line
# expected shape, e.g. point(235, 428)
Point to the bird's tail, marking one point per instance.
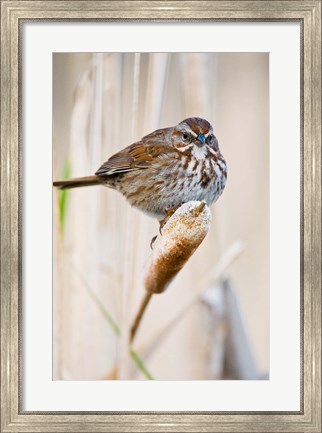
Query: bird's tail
point(78, 182)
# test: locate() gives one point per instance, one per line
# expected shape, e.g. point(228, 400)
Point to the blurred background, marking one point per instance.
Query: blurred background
point(213, 320)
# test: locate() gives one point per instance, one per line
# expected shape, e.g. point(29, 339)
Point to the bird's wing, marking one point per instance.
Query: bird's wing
point(137, 156)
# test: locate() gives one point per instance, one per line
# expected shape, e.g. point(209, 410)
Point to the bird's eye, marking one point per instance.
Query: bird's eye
point(185, 135)
point(212, 140)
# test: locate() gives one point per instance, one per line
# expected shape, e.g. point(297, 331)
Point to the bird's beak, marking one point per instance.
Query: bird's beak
point(201, 139)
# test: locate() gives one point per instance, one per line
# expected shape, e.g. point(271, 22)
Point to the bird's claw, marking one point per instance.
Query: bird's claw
point(152, 241)
point(169, 214)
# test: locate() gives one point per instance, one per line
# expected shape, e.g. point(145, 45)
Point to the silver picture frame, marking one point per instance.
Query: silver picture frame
point(13, 15)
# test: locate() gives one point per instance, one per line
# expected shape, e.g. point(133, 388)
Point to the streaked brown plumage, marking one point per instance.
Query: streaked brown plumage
point(164, 169)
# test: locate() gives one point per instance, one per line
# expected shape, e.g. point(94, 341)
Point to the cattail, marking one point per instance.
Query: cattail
point(179, 239)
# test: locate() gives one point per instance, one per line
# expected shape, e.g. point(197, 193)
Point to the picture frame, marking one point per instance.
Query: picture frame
point(13, 15)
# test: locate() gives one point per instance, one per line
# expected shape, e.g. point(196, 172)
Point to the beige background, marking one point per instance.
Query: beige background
point(103, 102)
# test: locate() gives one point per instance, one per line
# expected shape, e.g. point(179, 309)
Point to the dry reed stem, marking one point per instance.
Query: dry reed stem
point(180, 237)
point(130, 221)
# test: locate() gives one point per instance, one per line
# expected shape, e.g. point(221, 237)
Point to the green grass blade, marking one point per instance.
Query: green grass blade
point(140, 364)
point(134, 355)
point(107, 316)
point(104, 312)
point(63, 197)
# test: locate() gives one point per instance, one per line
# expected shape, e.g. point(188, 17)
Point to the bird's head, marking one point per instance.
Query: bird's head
point(194, 131)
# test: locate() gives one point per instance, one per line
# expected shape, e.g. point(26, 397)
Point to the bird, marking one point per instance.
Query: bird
point(164, 169)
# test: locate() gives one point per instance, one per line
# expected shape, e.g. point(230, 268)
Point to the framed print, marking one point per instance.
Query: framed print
point(162, 71)
point(202, 312)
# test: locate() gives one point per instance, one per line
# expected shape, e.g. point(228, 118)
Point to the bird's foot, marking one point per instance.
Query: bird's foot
point(169, 214)
point(163, 222)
